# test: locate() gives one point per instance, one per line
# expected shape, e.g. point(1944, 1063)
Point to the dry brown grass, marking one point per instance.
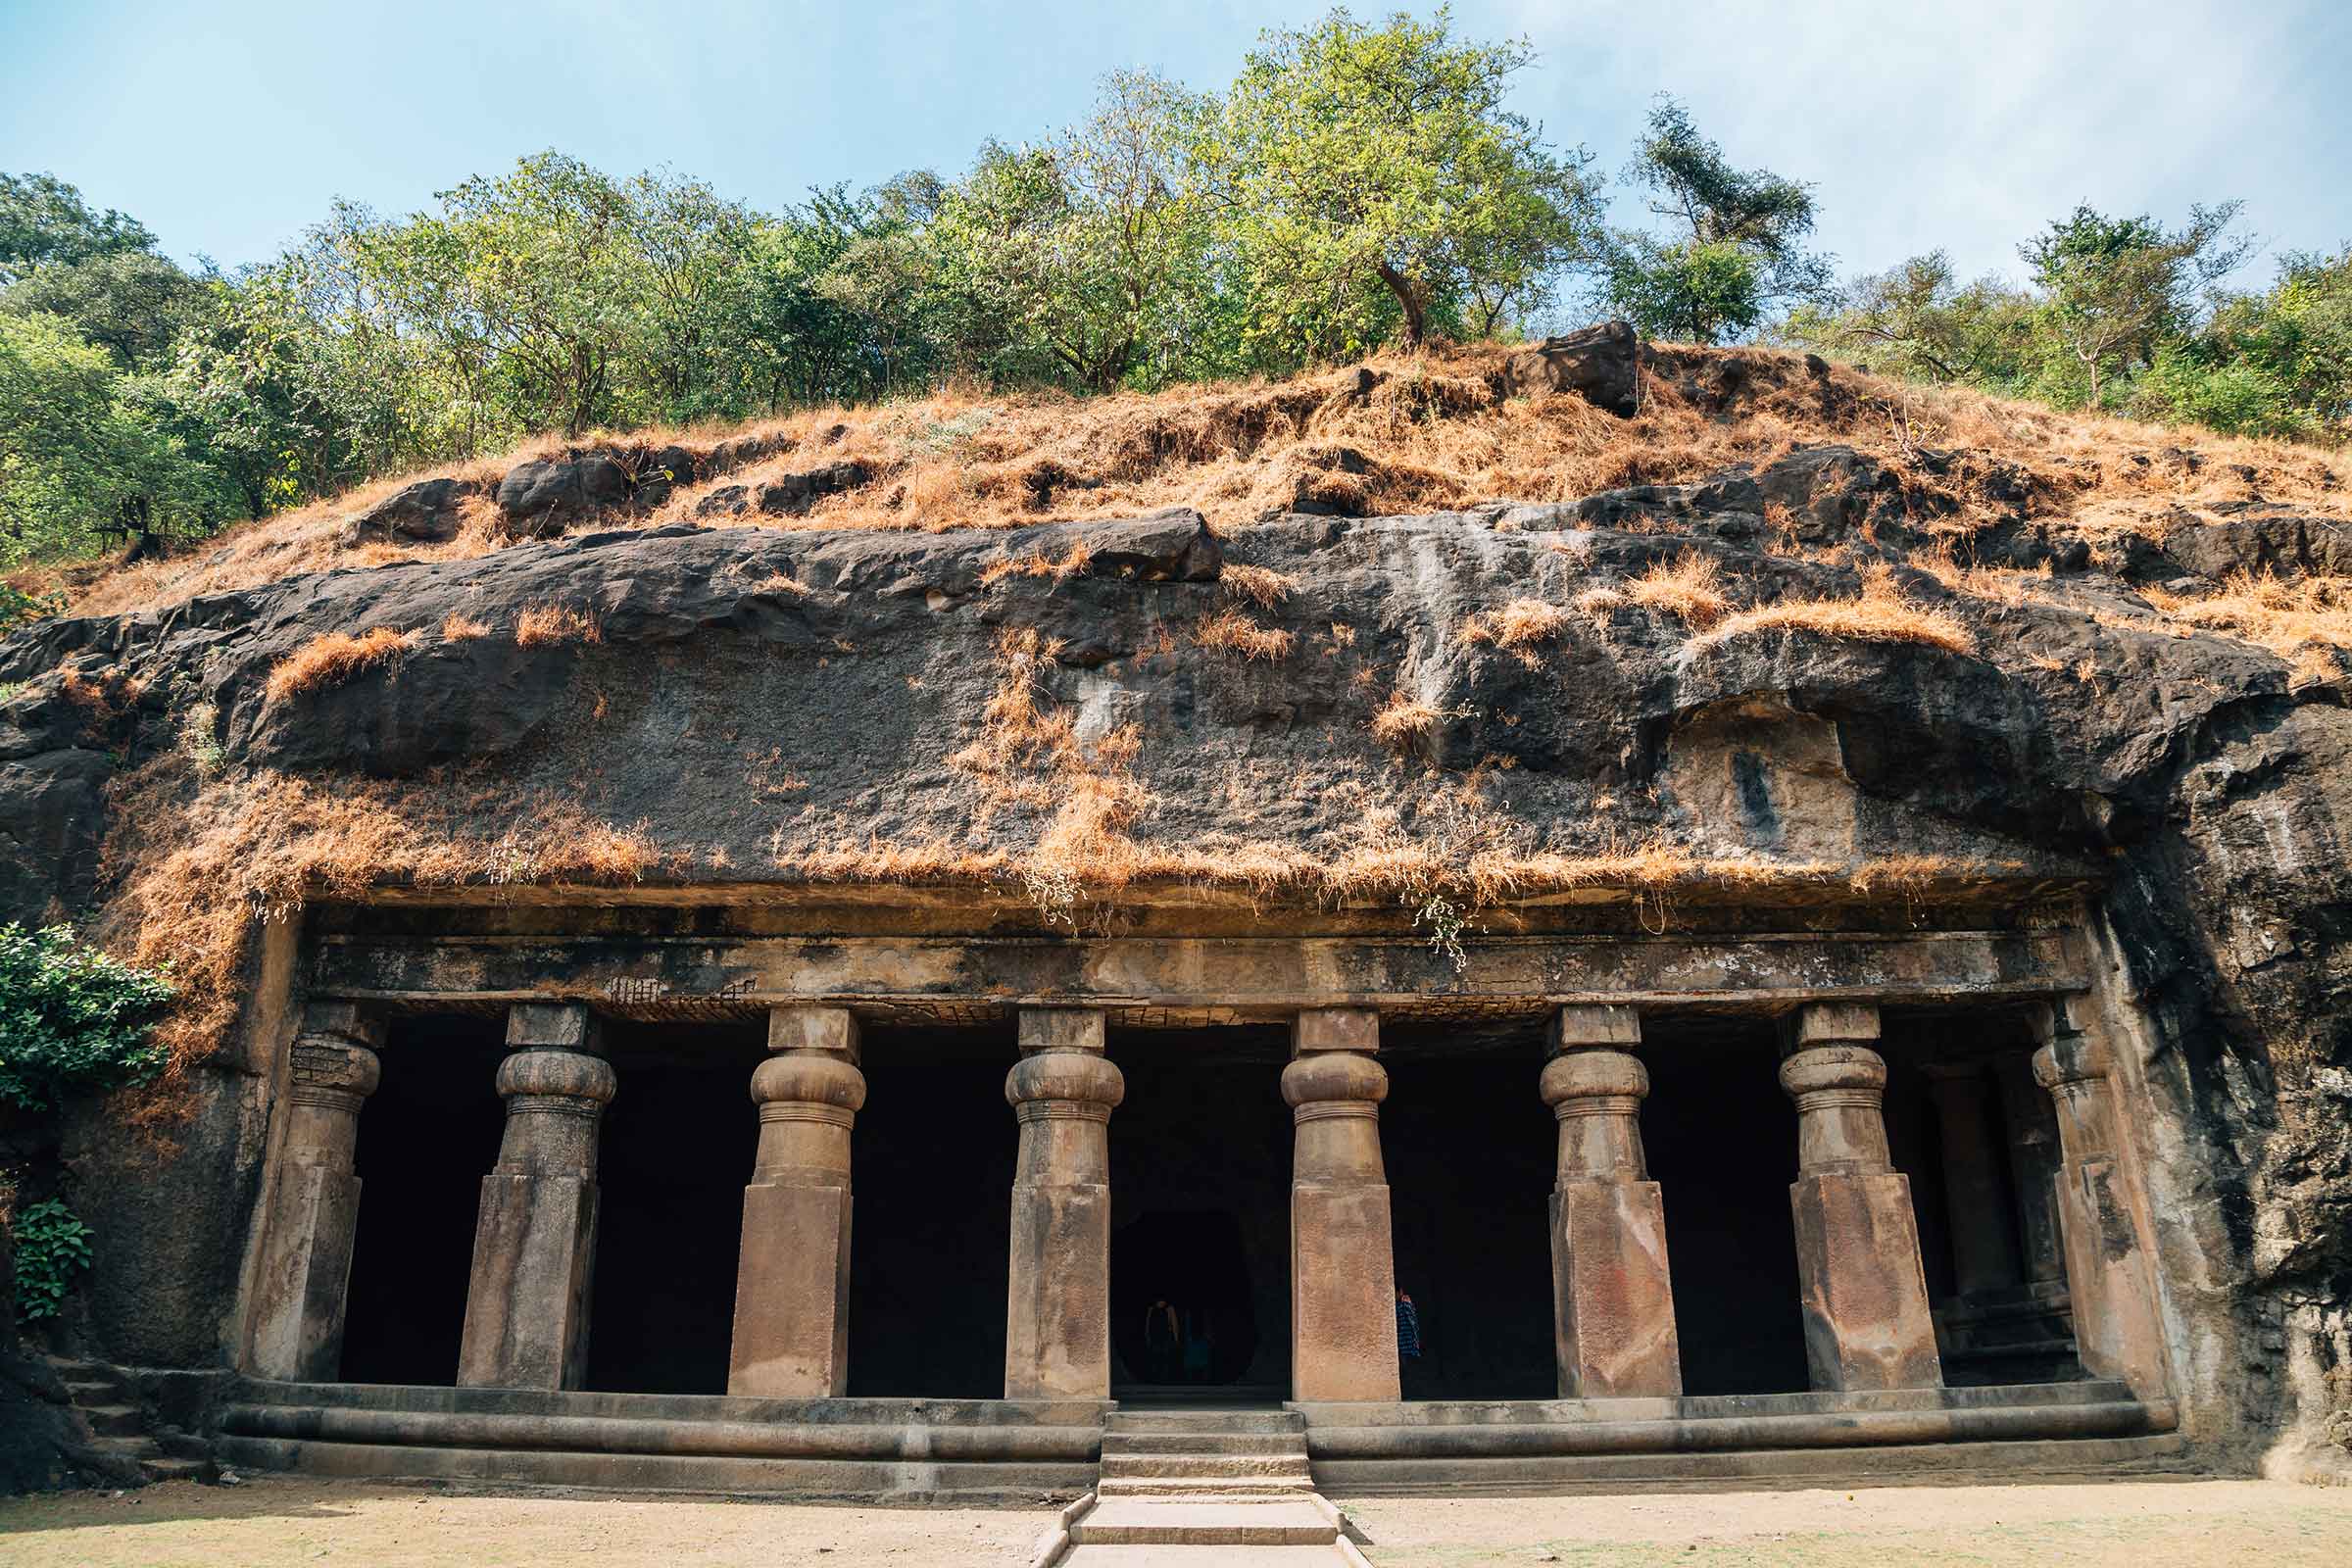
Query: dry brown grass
point(1230, 631)
point(459, 627)
point(1403, 720)
point(1433, 432)
point(1263, 586)
point(2287, 617)
point(1516, 628)
point(333, 658)
point(543, 625)
point(1880, 613)
point(1690, 589)
point(1037, 564)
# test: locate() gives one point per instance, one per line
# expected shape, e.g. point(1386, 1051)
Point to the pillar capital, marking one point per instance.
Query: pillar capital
point(1830, 1023)
point(354, 1023)
point(1044, 1029)
point(1580, 1028)
point(827, 1029)
point(557, 1025)
point(1321, 1029)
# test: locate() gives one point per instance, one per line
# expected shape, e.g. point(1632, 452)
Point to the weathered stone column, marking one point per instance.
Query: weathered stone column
point(2032, 1127)
point(2118, 1332)
point(1975, 1205)
point(534, 1245)
point(1057, 1308)
point(1864, 1294)
point(792, 1271)
point(315, 1202)
point(1342, 1268)
point(1612, 1300)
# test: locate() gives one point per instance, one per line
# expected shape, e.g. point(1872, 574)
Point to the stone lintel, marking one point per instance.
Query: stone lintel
point(1334, 1029)
point(1575, 1028)
point(813, 1028)
point(554, 1025)
point(1831, 1023)
point(354, 1022)
point(1061, 1029)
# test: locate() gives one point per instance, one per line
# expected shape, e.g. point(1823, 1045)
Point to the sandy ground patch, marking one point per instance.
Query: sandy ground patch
point(2194, 1524)
point(273, 1521)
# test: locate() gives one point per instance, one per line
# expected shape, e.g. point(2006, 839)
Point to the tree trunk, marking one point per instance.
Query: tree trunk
point(1416, 311)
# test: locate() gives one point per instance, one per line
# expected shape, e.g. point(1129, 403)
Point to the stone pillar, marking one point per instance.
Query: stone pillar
point(1864, 1294)
point(1057, 1308)
point(315, 1202)
point(534, 1243)
point(2033, 1144)
point(1612, 1300)
point(792, 1271)
point(2118, 1333)
point(1342, 1268)
point(1975, 1207)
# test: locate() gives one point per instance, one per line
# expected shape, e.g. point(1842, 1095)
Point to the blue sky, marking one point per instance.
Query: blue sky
point(227, 128)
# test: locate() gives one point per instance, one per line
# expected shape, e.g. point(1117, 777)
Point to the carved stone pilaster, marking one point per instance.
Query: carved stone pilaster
point(1058, 1307)
point(1343, 1263)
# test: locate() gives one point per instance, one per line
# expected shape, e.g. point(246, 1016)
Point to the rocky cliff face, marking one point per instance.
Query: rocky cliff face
point(1745, 677)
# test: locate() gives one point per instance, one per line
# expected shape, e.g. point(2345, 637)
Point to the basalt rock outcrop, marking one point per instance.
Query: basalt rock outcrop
point(752, 697)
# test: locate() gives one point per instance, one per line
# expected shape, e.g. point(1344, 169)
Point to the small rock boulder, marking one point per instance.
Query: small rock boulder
point(1599, 364)
point(792, 495)
point(1171, 545)
point(424, 512)
point(544, 497)
point(661, 473)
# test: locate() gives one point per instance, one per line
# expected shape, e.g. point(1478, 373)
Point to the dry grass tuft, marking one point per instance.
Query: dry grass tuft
point(542, 625)
point(1037, 564)
point(463, 628)
point(1515, 628)
point(2287, 617)
point(1263, 586)
point(1404, 720)
point(1881, 614)
point(1231, 631)
point(1690, 590)
point(333, 658)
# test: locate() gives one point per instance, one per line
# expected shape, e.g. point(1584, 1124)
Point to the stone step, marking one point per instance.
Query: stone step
point(1235, 1487)
point(94, 1391)
point(1202, 1558)
point(114, 1420)
point(1234, 1466)
point(168, 1467)
point(1202, 1522)
point(1204, 1443)
point(1140, 1422)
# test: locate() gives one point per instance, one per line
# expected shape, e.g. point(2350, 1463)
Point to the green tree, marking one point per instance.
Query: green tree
point(2117, 289)
point(1916, 320)
point(1732, 252)
point(134, 303)
point(43, 221)
point(73, 1019)
point(1349, 159)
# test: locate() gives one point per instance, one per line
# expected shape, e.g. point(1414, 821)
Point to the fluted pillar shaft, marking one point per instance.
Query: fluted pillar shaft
point(314, 1214)
point(792, 1270)
point(1057, 1308)
point(534, 1242)
point(2119, 1332)
point(1863, 1291)
point(1342, 1266)
point(1612, 1296)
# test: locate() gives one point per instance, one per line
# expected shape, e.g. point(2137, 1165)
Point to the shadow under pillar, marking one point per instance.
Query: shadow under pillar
point(2119, 1332)
point(305, 1274)
point(534, 1243)
point(1058, 1307)
point(1612, 1296)
point(1864, 1293)
point(1342, 1263)
point(792, 1271)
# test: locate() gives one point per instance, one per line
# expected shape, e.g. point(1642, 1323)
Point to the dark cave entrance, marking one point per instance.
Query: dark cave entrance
point(931, 1225)
point(1200, 1193)
point(1721, 1136)
point(427, 1135)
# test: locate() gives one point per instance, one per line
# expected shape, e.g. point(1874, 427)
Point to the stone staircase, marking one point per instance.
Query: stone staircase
point(1206, 1486)
point(120, 1431)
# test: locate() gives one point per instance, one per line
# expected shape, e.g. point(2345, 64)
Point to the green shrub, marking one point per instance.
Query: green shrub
point(51, 1245)
point(73, 1019)
point(21, 608)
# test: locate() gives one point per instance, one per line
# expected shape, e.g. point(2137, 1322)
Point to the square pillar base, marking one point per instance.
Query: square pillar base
point(298, 1328)
point(1343, 1295)
point(1058, 1329)
point(1865, 1298)
point(527, 1302)
point(792, 1291)
point(1614, 1302)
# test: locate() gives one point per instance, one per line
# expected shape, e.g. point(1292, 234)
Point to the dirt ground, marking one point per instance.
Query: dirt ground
point(2193, 1524)
point(272, 1521)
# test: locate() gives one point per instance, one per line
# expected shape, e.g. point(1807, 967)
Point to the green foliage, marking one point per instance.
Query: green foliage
point(73, 1019)
point(1362, 179)
point(2113, 289)
point(1732, 251)
point(50, 1246)
point(21, 608)
point(44, 221)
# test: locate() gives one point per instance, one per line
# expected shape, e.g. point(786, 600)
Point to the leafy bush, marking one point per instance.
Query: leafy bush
point(21, 608)
point(50, 1246)
point(73, 1019)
